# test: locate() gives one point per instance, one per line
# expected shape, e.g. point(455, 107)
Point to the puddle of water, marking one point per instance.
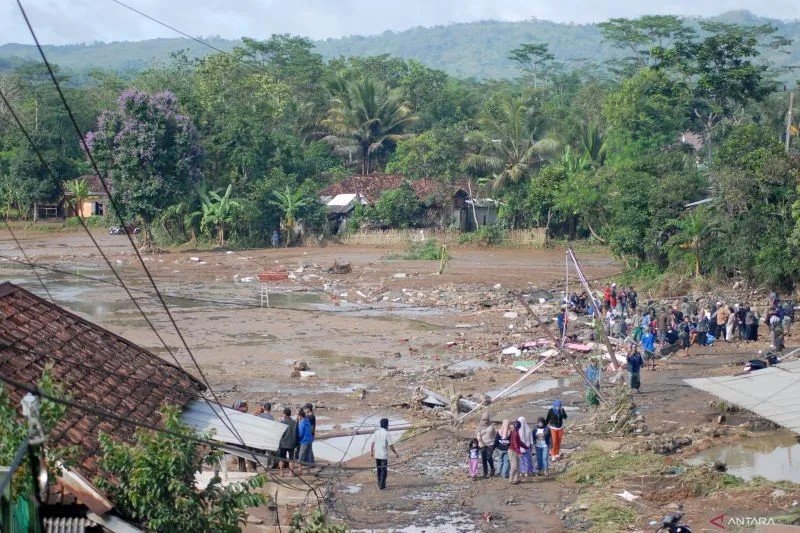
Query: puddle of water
point(542, 385)
point(471, 364)
point(774, 456)
point(331, 356)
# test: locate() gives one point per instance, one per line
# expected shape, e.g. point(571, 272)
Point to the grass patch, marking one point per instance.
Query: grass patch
point(705, 481)
point(610, 517)
point(598, 467)
point(429, 250)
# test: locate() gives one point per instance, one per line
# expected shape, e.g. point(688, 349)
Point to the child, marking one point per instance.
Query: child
point(474, 457)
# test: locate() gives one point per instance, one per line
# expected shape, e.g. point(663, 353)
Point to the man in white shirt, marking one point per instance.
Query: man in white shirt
point(380, 451)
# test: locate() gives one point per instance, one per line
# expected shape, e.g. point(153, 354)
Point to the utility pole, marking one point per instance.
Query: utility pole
point(789, 122)
point(36, 438)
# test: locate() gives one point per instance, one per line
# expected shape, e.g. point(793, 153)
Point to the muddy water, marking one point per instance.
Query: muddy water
point(774, 456)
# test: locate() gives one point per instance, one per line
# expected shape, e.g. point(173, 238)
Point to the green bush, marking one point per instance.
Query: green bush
point(485, 236)
point(429, 250)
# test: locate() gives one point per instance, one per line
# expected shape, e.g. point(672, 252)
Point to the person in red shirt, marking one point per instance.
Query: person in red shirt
point(515, 449)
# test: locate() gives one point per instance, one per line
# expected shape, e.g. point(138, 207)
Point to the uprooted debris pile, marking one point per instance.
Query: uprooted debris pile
point(616, 415)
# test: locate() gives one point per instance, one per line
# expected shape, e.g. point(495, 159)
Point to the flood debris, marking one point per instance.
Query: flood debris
point(340, 268)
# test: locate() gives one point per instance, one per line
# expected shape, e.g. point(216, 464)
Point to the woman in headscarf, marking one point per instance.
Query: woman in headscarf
point(501, 444)
point(486, 435)
point(542, 440)
point(555, 421)
point(526, 459)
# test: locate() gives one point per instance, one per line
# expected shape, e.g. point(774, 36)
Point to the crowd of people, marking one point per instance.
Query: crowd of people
point(296, 444)
point(685, 323)
point(520, 450)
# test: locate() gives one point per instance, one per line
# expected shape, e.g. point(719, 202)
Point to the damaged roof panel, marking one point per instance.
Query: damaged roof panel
point(770, 393)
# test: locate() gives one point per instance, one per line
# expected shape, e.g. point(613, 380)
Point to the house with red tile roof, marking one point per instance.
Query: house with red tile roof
point(108, 374)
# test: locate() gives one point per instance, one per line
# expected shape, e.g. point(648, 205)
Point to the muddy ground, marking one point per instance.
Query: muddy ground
point(373, 335)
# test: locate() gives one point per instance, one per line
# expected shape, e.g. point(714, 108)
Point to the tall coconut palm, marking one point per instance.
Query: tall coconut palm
point(289, 202)
point(79, 189)
point(365, 117)
point(504, 145)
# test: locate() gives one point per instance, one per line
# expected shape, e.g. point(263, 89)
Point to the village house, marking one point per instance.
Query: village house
point(110, 374)
point(444, 204)
point(95, 204)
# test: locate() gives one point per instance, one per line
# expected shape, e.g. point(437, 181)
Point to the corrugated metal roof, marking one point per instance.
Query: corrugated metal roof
point(770, 393)
point(257, 432)
point(63, 524)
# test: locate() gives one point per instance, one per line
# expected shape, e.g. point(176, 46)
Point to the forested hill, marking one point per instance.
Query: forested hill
point(476, 49)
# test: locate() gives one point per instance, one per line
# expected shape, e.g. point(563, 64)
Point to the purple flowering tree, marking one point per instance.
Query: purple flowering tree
point(149, 151)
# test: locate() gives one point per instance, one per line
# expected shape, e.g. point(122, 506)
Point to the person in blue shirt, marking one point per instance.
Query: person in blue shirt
point(649, 347)
point(306, 439)
point(635, 364)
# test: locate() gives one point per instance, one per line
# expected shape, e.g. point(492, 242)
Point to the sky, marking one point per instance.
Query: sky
point(79, 21)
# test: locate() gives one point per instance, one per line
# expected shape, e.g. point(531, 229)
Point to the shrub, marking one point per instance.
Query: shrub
point(429, 250)
point(485, 236)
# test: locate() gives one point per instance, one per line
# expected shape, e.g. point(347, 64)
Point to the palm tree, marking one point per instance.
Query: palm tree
point(504, 145)
point(79, 189)
point(694, 230)
point(289, 202)
point(217, 211)
point(366, 117)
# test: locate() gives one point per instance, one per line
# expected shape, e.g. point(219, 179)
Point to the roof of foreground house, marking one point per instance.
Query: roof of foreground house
point(93, 365)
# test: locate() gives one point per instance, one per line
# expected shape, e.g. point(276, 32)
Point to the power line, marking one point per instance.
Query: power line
point(251, 64)
point(117, 211)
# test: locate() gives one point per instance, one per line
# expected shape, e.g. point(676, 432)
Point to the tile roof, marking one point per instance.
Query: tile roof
point(95, 185)
point(373, 185)
point(96, 367)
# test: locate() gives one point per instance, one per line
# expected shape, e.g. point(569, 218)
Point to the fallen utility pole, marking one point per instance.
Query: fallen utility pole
point(596, 308)
point(552, 336)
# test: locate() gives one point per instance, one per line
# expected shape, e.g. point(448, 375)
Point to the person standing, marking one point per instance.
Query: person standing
point(729, 325)
point(649, 347)
point(635, 363)
point(288, 442)
point(556, 416)
point(526, 459)
point(723, 313)
point(312, 420)
point(486, 435)
point(380, 451)
point(632, 296)
point(306, 439)
point(516, 448)
point(473, 456)
point(501, 444)
point(593, 377)
point(276, 238)
point(541, 439)
point(265, 411)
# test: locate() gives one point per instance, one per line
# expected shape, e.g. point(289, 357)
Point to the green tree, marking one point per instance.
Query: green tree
point(640, 36)
point(150, 152)
point(435, 153)
point(504, 146)
point(532, 59)
point(724, 69)
point(290, 202)
point(397, 208)
point(694, 230)
point(79, 189)
point(217, 212)
point(154, 481)
point(366, 118)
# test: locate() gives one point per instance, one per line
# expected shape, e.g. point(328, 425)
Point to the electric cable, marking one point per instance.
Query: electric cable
point(117, 211)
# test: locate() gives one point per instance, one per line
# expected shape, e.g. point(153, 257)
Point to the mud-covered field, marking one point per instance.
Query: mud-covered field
point(375, 334)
